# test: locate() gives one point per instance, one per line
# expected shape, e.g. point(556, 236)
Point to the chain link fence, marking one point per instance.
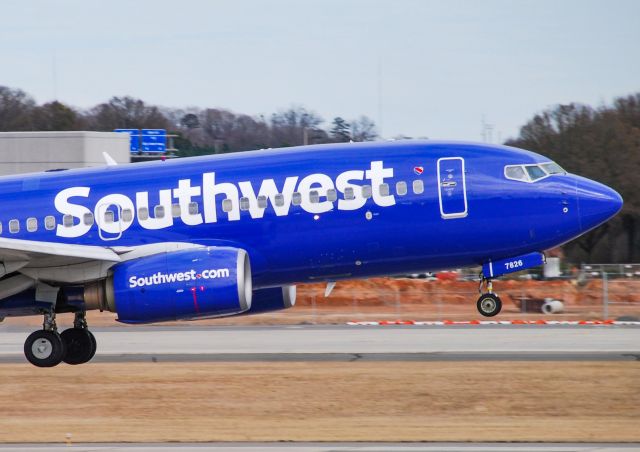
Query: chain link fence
point(589, 292)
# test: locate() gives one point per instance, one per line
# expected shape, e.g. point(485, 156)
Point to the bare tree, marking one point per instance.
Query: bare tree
point(288, 127)
point(16, 108)
point(363, 129)
point(56, 116)
point(126, 113)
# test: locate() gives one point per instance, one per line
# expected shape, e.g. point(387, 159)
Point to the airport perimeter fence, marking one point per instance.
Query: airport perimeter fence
point(594, 292)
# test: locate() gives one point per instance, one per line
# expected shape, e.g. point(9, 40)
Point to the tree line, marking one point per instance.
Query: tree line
point(199, 130)
point(600, 143)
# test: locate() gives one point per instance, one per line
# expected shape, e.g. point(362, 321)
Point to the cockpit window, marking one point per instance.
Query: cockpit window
point(515, 173)
point(532, 172)
point(535, 172)
point(553, 168)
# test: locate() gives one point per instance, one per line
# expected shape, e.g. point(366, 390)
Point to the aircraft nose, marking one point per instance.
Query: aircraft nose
point(596, 203)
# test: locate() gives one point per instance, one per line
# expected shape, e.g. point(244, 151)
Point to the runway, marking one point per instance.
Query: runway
point(331, 447)
point(351, 343)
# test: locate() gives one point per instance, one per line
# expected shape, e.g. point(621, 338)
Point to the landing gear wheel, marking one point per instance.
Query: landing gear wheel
point(489, 305)
point(78, 344)
point(94, 345)
point(44, 348)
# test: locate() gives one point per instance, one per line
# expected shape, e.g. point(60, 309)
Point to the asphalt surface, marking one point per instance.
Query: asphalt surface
point(331, 447)
point(351, 343)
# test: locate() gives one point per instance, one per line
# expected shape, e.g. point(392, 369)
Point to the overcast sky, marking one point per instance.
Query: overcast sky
point(418, 68)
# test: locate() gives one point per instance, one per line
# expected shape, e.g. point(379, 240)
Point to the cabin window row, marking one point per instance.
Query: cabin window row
point(331, 195)
point(227, 206)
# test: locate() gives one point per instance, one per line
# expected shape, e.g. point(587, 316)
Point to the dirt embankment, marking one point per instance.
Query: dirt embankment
point(383, 291)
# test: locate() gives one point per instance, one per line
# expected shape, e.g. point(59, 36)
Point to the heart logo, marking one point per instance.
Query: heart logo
point(418, 170)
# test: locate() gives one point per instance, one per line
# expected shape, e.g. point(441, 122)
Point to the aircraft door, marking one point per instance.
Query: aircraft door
point(109, 219)
point(452, 189)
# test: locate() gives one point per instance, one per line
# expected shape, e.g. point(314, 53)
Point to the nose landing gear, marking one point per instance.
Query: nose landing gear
point(489, 304)
point(48, 348)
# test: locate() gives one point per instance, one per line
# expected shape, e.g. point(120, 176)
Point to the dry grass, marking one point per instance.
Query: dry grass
point(466, 401)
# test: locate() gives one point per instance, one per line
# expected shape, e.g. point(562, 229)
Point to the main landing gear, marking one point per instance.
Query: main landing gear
point(47, 348)
point(489, 304)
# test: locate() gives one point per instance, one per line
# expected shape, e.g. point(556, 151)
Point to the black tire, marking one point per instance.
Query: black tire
point(44, 348)
point(489, 305)
point(78, 345)
point(94, 345)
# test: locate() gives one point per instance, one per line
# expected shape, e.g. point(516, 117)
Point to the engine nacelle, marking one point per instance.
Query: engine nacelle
point(272, 299)
point(180, 285)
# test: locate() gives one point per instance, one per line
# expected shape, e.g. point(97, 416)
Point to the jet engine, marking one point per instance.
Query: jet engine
point(272, 299)
point(179, 285)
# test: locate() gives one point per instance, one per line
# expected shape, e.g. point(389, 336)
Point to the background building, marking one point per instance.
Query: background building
point(28, 152)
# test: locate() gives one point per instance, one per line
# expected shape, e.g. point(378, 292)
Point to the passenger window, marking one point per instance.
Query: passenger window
point(14, 226)
point(109, 216)
point(67, 221)
point(158, 211)
point(88, 219)
point(384, 189)
point(193, 208)
point(332, 195)
point(279, 199)
point(418, 186)
point(143, 213)
point(127, 215)
point(366, 191)
point(0, 228)
point(296, 198)
point(401, 188)
point(49, 222)
point(244, 204)
point(32, 224)
point(314, 196)
point(348, 193)
point(227, 205)
point(262, 202)
point(175, 211)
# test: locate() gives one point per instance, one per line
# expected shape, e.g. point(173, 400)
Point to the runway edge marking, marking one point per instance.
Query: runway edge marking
point(492, 322)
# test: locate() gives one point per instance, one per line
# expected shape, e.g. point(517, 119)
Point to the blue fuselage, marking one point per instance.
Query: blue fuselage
point(323, 212)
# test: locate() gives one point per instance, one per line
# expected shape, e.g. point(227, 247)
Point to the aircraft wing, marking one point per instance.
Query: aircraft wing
point(44, 254)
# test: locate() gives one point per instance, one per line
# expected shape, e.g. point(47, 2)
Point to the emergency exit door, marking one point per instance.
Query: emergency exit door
point(452, 189)
point(109, 220)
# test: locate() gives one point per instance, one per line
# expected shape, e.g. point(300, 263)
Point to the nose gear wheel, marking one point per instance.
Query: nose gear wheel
point(489, 304)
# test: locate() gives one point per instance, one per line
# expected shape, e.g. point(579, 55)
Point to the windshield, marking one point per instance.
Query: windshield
point(532, 172)
point(553, 168)
point(535, 172)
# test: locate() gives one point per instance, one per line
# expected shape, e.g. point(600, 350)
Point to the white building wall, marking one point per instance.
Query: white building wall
point(28, 152)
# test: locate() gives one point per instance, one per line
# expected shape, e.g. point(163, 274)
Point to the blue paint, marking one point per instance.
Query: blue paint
point(269, 300)
point(473, 217)
point(179, 285)
point(493, 269)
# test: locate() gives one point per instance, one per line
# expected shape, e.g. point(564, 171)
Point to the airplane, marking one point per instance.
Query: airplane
point(233, 234)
